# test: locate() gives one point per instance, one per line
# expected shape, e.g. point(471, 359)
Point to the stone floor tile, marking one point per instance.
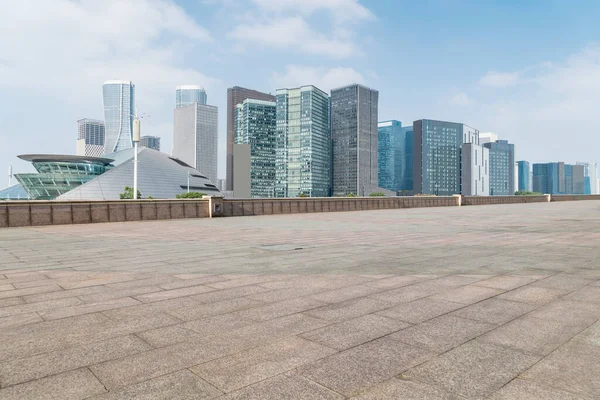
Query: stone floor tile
point(40, 366)
point(34, 298)
point(41, 306)
point(221, 307)
point(13, 301)
point(356, 331)
point(244, 281)
point(118, 294)
point(356, 369)
point(590, 336)
point(505, 282)
point(467, 294)
point(27, 291)
point(563, 281)
point(420, 310)
point(163, 306)
point(526, 390)
point(73, 385)
point(254, 365)
point(394, 282)
point(172, 294)
point(409, 293)
point(404, 390)
point(288, 386)
point(442, 333)
point(465, 370)
point(574, 368)
point(178, 385)
point(293, 292)
point(589, 294)
point(348, 309)
point(6, 287)
point(279, 309)
point(181, 283)
point(89, 308)
point(573, 312)
point(226, 294)
point(346, 293)
point(494, 311)
point(533, 335)
point(533, 295)
point(14, 321)
point(217, 324)
point(169, 335)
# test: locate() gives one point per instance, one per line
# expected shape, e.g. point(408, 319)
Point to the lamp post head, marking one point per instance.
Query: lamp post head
point(136, 130)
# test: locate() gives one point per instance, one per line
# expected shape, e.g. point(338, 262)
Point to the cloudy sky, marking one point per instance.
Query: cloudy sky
point(526, 70)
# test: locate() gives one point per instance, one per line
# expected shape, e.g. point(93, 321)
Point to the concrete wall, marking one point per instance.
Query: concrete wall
point(487, 200)
point(574, 197)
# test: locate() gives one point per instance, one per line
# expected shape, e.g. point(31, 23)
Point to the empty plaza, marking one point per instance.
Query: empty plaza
point(476, 302)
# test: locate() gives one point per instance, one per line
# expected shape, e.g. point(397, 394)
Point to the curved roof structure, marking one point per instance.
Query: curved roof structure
point(65, 158)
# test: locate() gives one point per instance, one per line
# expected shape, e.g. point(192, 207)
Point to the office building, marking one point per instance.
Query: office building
point(195, 137)
point(254, 149)
point(558, 178)
point(151, 142)
point(221, 185)
point(236, 95)
point(395, 156)
point(475, 177)
point(90, 137)
point(189, 94)
point(119, 109)
point(303, 143)
point(487, 137)
point(502, 168)
point(354, 119)
point(591, 177)
point(437, 153)
point(523, 175)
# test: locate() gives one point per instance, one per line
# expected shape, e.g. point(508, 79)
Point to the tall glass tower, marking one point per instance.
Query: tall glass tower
point(303, 143)
point(119, 107)
point(189, 94)
point(395, 156)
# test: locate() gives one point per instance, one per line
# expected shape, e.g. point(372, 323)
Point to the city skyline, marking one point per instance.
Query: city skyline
point(346, 42)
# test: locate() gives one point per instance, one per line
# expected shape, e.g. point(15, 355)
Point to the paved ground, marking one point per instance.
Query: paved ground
point(498, 302)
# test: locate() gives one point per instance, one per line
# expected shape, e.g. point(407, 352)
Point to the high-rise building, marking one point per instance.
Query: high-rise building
point(195, 137)
point(236, 95)
point(591, 177)
point(255, 137)
point(303, 143)
point(437, 153)
point(189, 94)
point(558, 178)
point(487, 137)
point(523, 173)
point(475, 177)
point(395, 158)
point(151, 142)
point(119, 109)
point(354, 118)
point(502, 168)
point(90, 137)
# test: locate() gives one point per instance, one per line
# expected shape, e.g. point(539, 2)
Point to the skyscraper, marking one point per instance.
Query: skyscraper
point(354, 117)
point(151, 142)
point(236, 95)
point(558, 178)
point(395, 156)
point(475, 176)
point(189, 94)
point(90, 137)
point(487, 137)
point(437, 153)
point(591, 177)
point(195, 137)
point(303, 143)
point(524, 172)
point(502, 168)
point(255, 129)
point(119, 109)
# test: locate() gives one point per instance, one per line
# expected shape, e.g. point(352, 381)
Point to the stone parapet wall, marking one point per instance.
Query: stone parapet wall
point(575, 197)
point(488, 200)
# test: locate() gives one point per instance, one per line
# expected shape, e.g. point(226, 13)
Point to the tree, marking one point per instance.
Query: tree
point(351, 195)
point(527, 193)
point(302, 195)
point(128, 194)
point(374, 194)
point(191, 195)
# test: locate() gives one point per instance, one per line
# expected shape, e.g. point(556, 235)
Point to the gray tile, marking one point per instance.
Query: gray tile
point(394, 282)
point(208, 310)
point(90, 308)
point(405, 390)
point(226, 294)
point(420, 310)
point(573, 312)
point(41, 306)
point(589, 294)
point(468, 294)
point(505, 282)
point(494, 311)
point(279, 309)
point(172, 294)
point(525, 390)
point(349, 309)
point(343, 294)
point(533, 295)
point(356, 369)
point(563, 282)
point(217, 324)
point(19, 320)
point(465, 371)
point(169, 335)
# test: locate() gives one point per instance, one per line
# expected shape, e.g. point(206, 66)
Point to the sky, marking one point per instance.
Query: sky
point(526, 70)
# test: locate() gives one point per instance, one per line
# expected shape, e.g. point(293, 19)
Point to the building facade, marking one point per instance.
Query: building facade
point(236, 95)
point(256, 127)
point(189, 94)
point(558, 178)
point(475, 177)
point(591, 177)
point(354, 136)
point(90, 137)
point(502, 168)
point(437, 155)
point(195, 137)
point(119, 109)
point(395, 156)
point(151, 142)
point(487, 137)
point(303, 144)
point(524, 174)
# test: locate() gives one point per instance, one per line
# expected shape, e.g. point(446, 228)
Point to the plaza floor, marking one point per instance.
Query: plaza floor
point(489, 302)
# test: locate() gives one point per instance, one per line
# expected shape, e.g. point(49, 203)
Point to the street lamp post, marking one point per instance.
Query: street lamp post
point(136, 139)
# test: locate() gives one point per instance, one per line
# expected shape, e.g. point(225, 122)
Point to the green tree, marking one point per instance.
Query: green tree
point(351, 195)
point(128, 194)
point(374, 194)
point(302, 195)
point(527, 193)
point(191, 195)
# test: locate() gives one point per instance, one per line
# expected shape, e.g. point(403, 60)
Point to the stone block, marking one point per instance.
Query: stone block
point(3, 215)
point(277, 207)
point(268, 207)
point(203, 209)
point(189, 209)
point(177, 210)
point(81, 213)
point(237, 209)
point(257, 208)
point(116, 212)
point(294, 206)
point(133, 211)
point(62, 214)
point(163, 210)
point(148, 210)
point(41, 214)
point(99, 212)
point(302, 206)
point(247, 207)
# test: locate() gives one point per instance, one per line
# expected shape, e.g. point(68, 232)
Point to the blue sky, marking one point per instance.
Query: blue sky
point(527, 70)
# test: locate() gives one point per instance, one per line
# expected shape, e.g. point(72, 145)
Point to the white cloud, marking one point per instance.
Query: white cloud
point(323, 78)
point(341, 10)
point(499, 79)
point(461, 99)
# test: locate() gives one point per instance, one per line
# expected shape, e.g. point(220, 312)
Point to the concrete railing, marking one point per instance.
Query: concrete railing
point(488, 200)
point(575, 197)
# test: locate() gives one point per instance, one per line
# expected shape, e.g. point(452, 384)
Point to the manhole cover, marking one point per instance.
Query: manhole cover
point(279, 247)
